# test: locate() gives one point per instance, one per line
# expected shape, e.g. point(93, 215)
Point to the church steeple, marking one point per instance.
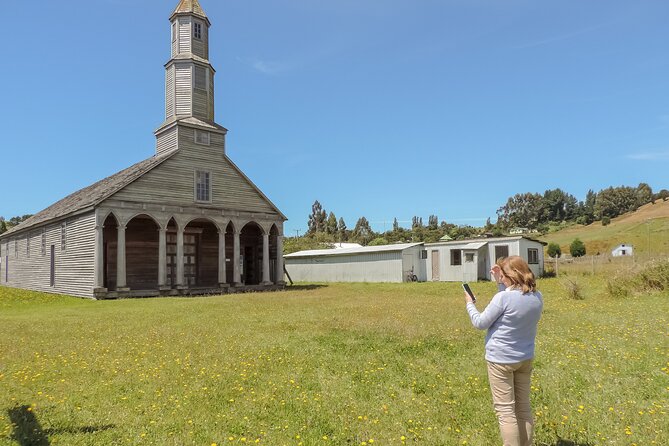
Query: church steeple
point(189, 76)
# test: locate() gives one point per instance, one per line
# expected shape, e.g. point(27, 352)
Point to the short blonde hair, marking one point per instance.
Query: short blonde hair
point(517, 270)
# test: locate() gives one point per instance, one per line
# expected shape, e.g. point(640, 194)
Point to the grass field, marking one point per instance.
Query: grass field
point(342, 364)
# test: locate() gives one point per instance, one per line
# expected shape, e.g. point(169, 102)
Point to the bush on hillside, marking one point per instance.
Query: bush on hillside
point(577, 248)
point(606, 221)
point(554, 250)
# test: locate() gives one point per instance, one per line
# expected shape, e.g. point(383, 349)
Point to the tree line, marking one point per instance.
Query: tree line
point(6, 225)
point(534, 211)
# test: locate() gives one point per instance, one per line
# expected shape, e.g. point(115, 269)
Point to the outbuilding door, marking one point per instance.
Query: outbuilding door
point(435, 265)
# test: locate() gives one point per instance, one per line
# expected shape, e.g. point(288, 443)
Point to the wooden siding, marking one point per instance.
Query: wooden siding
point(169, 92)
point(172, 182)
point(184, 88)
point(200, 104)
point(166, 141)
point(185, 35)
point(211, 95)
point(199, 45)
point(74, 266)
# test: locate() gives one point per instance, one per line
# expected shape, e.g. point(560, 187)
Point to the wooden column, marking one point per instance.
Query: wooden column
point(222, 276)
point(279, 260)
point(99, 257)
point(180, 258)
point(162, 258)
point(236, 276)
point(265, 260)
point(121, 284)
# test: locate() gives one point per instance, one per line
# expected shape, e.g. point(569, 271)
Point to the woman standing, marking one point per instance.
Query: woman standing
point(511, 319)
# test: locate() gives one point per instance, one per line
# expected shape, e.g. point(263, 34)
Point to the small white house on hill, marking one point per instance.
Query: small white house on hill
point(387, 263)
point(623, 250)
point(470, 260)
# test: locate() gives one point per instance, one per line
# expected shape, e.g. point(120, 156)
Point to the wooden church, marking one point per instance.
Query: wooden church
point(185, 221)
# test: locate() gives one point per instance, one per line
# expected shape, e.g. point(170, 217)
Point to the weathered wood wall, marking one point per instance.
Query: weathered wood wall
point(74, 266)
point(172, 183)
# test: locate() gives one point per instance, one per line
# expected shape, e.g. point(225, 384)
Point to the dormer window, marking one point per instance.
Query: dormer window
point(197, 30)
point(202, 137)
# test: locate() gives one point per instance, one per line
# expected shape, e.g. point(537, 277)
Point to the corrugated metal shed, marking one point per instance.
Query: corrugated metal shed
point(387, 263)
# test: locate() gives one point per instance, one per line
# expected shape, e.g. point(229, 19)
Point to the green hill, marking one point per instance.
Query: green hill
point(646, 229)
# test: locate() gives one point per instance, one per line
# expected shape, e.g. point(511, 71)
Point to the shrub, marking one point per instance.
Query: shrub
point(574, 289)
point(653, 277)
point(606, 221)
point(554, 250)
point(577, 248)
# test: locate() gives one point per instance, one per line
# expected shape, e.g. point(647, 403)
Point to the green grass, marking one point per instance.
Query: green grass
point(342, 364)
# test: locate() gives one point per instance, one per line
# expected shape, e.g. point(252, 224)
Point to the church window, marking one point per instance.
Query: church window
point(202, 137)
point(197, 30)
point(63, 236)
point(200, 78)
point(202, 186)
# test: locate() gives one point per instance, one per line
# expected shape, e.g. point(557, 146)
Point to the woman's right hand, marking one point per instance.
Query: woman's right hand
point(496, 273)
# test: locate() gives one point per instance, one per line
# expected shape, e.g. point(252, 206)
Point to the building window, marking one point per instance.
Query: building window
point(456, 257)
point(532, 255)
point(469, 257)
point(197, 30)
point(200, 78)
point(501, 251)
point(63, 236)
point(202, 186)
point(28, 246)
point(43, 248)
point(423, 254)
point(202, 137)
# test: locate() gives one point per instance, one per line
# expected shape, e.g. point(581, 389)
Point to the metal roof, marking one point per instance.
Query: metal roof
point(474, 245)
point(352, 251)
point(485, 240)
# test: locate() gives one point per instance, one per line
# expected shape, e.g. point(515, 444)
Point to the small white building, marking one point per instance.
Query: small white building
point(387, 263)
point(471, 260)
point(623, 250)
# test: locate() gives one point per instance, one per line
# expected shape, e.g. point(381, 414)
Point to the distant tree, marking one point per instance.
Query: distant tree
point(614, 201)
point(433, 222)
point(341, 230)
point(17, 220)
point(588, 208)
point(462, 232)
point(317, 219)
point(554, 250)
point(557, 206)
point(362, 232)
point(396, 225)
point(331, 224)
point(3, 225)
point(416, 222)
point(378, 241)
point(644, 194)
point(577, 248)
point(663, 194)
point(521, 210)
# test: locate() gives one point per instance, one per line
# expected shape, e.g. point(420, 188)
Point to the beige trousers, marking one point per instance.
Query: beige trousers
point(510, 386)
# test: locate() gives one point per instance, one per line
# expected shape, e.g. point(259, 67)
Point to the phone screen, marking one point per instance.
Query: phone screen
point(465, 286)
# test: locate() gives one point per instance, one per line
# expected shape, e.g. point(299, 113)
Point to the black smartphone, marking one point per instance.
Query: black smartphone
point(465, 286)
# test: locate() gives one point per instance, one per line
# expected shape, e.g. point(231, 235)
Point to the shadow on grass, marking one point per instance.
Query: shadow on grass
point(29, 432)
point(562, 442)
point(305, 287)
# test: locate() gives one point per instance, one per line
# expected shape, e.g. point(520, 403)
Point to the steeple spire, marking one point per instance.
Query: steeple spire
point(189, 7)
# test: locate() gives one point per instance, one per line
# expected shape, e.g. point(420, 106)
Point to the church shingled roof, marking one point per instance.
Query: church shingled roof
point(190, 7)
point(93, 194)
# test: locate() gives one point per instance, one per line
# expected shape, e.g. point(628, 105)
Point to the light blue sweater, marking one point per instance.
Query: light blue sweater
point(511, 319)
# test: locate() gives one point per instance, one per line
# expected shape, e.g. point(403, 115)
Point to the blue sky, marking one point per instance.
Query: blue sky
point(376, 108)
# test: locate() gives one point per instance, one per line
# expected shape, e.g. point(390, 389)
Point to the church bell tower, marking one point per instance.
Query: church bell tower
point(189, 82)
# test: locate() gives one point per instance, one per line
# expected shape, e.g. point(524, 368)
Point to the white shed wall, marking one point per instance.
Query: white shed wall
point(372, 267)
